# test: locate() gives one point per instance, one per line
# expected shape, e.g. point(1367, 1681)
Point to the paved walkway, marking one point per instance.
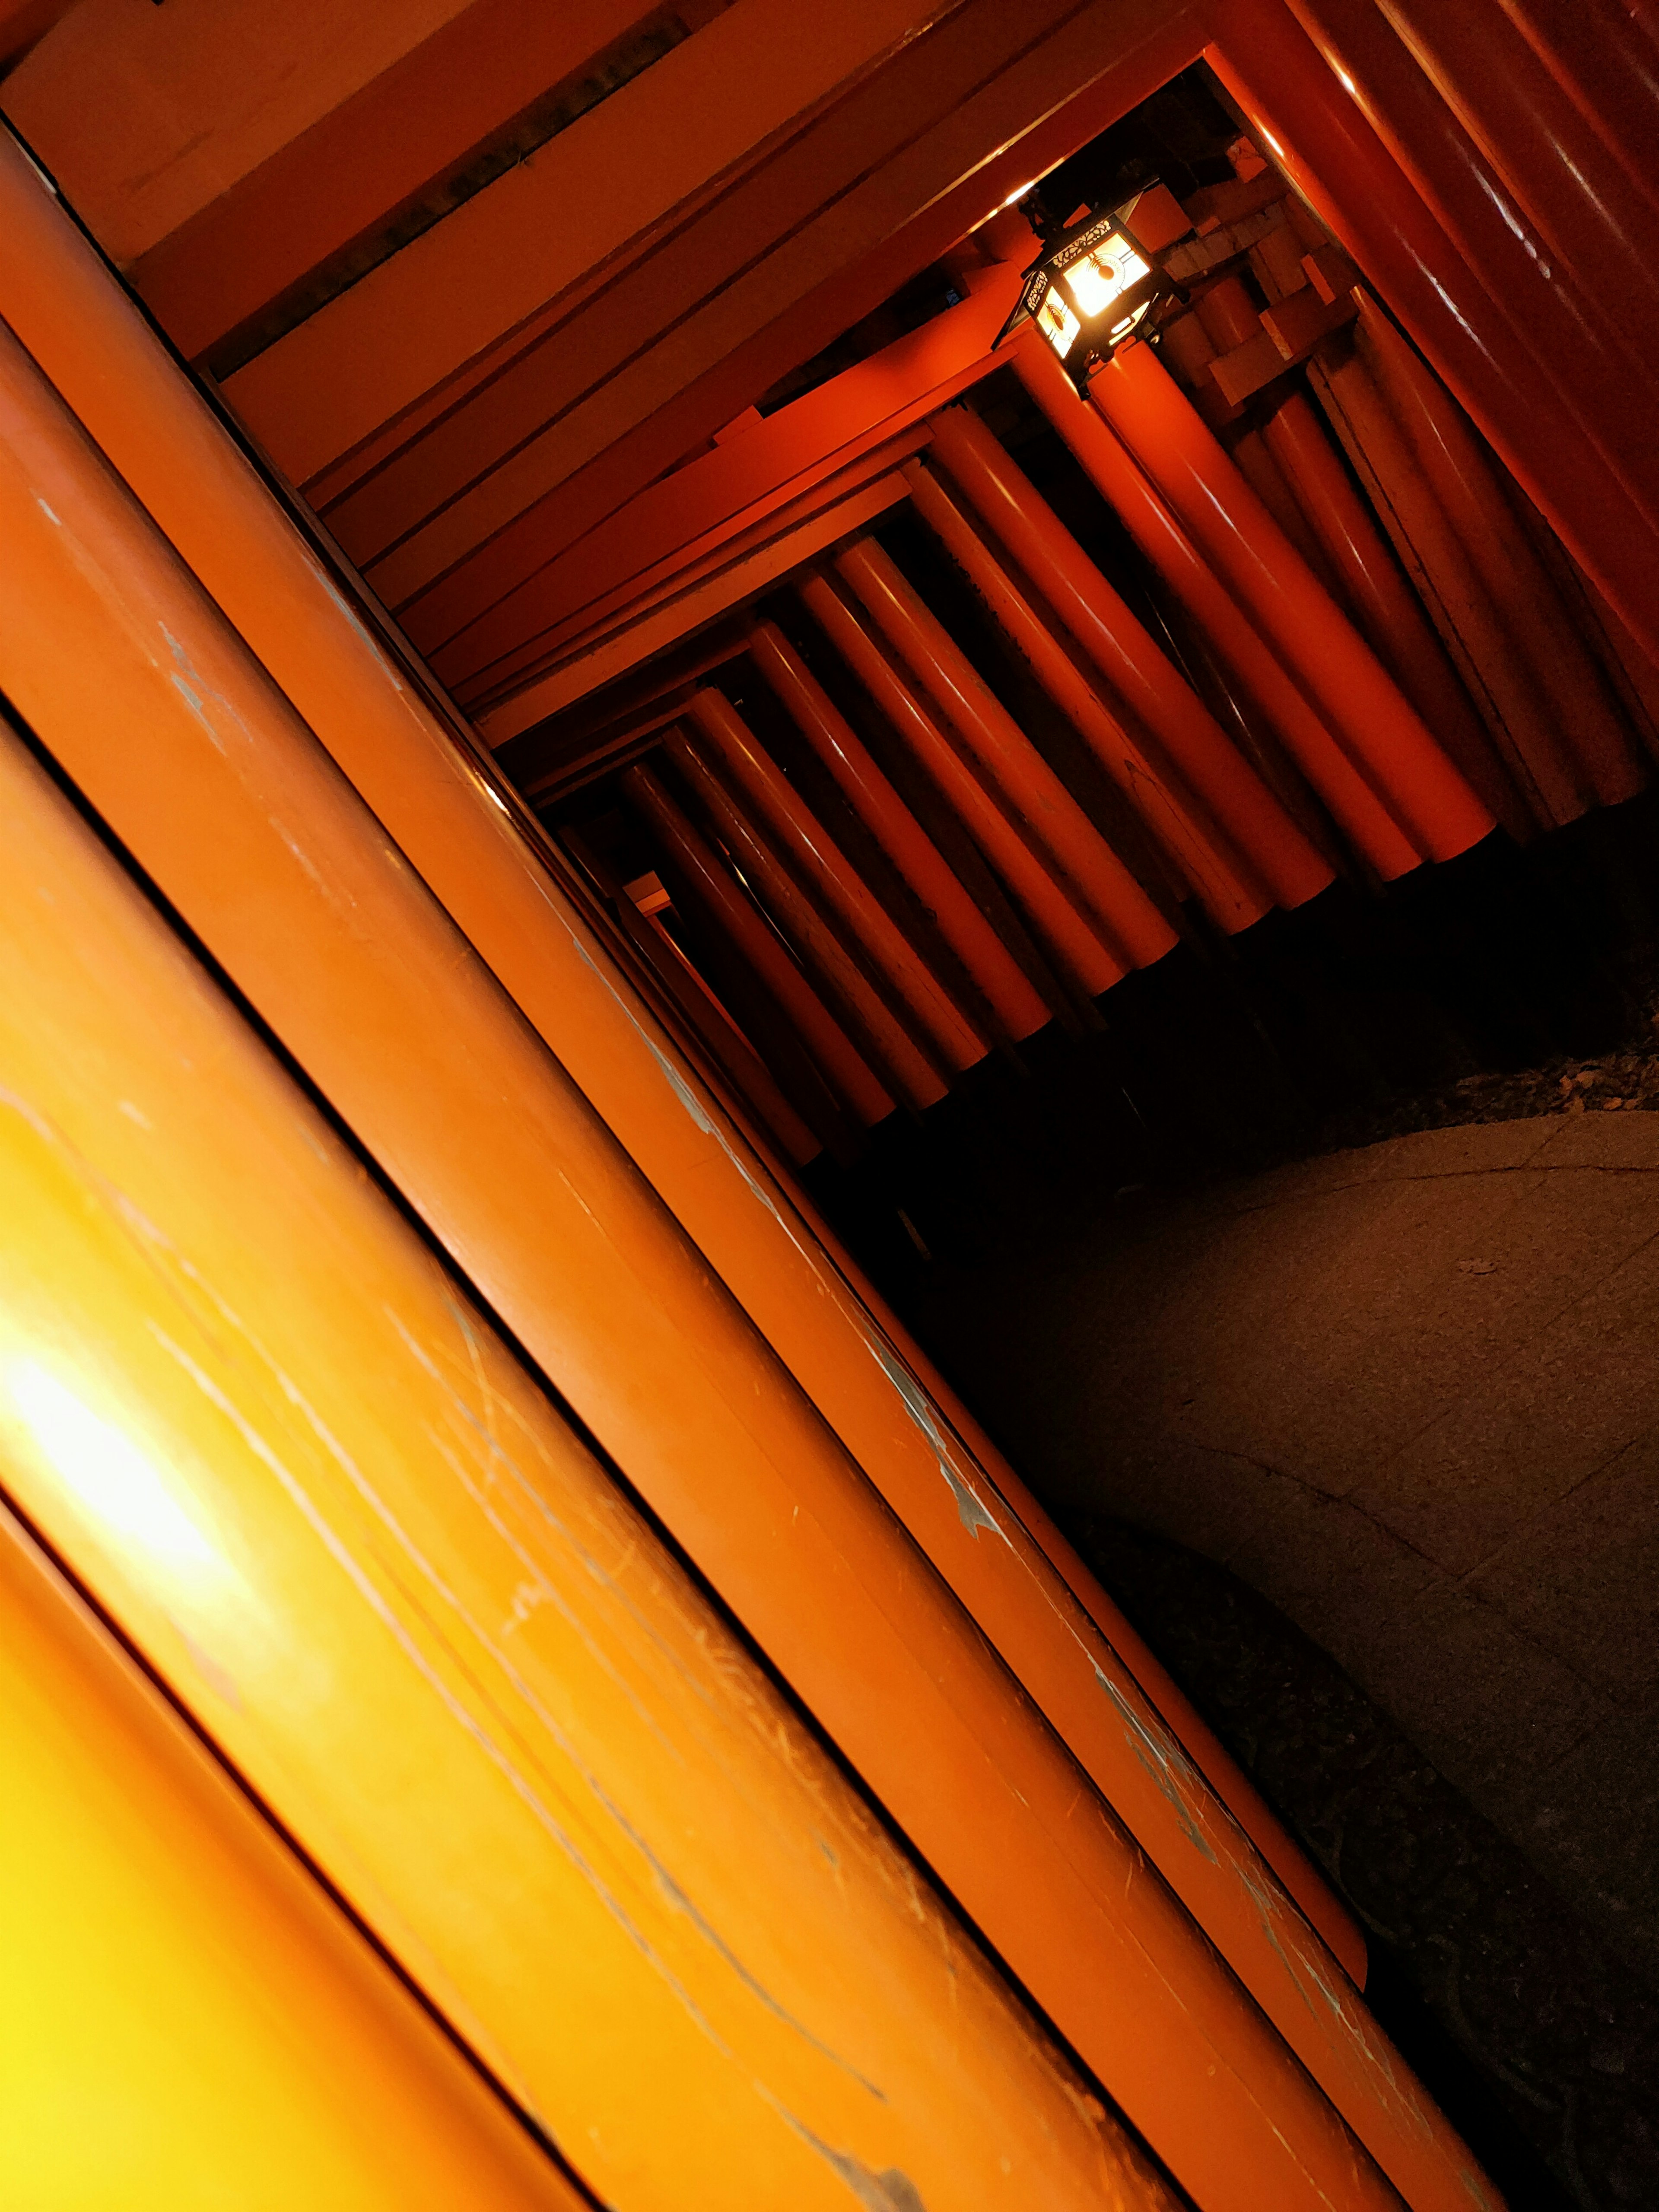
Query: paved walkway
point(1411, 1393)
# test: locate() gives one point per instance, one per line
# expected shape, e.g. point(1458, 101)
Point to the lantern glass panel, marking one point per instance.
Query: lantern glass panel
point(1057, 322)
point(1099, 277)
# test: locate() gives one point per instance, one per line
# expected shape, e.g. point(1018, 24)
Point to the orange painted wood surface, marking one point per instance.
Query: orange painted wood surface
point(458, 823)
point(190, 2019)
point(1535, 413)
point(150, 113)
point(228, 803)
point(324, 186)
point(261, 1422)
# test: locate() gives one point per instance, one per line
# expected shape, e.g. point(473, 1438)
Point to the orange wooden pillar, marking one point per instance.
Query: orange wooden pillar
point(1051, 816)
point(1552, 441)
point(1229, 317)
point(257, 1418)
point(1534, 751)
point(1199, 859)
point(1387, 611)
point(1265, 685)
point(682, 997)
point(1071, 936)
point(834, 880)
point(1565, 676)
point(1259, 466)
point(882, 1399)
point(987, 961)
point(881, 1039)
point(1592, 216)
point(1237, 803)
point(727, 904)
point(189, 2018)
point(1550, 310)
point(1430, 811)
point(224, 798)
point(1603, 60)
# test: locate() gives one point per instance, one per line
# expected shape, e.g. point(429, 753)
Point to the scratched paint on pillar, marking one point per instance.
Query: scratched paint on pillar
point(250, 1408)
point(1183, 1817)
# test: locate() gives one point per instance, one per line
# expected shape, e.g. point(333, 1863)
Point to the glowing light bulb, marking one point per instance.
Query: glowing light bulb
point(1097, 280)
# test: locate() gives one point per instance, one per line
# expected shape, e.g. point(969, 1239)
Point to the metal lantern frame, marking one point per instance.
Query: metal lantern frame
point(1068, 293)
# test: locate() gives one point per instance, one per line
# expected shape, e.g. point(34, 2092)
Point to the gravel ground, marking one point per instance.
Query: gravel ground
point(1539, 2043)
point(1541, 2046)
point(1626, 1081)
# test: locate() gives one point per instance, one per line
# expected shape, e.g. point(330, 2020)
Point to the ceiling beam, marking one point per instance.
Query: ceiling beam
point(732, 586)
point(145, 115)
point(741, 263)
point(722, 550)
point(503, 76)
point(23, 24)
point(787, 304)
point(573, 747)
point(684, 516)
point(596, 192)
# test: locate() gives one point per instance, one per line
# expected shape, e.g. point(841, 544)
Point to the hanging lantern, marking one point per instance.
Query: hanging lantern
point(1097, 283)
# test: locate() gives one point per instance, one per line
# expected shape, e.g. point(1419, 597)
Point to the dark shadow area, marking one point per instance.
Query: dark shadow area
point(1503, 986)
point(1481, 989)
point(1538, 2042)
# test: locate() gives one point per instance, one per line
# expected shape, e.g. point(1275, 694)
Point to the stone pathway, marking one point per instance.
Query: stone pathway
point(1540, 2047)
point(1411, 1395)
